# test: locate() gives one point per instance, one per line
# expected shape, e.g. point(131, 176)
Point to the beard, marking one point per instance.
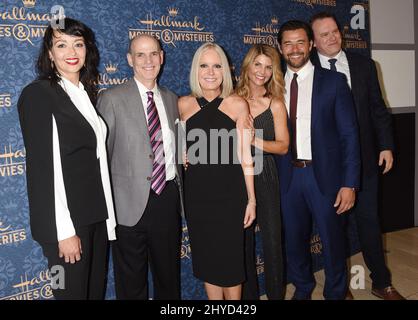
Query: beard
point(296, 64)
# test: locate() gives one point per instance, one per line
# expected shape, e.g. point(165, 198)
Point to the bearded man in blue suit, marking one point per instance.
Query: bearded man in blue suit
point(320, 174)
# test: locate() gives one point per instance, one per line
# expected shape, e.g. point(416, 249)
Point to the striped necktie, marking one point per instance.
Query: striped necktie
point(154, 128)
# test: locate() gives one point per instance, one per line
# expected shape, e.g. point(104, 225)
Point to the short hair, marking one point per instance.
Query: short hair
point(143, 35)
point(89, 73)
point(323, 15)
point(275, 87)
point(226, 85)
point(295, 25)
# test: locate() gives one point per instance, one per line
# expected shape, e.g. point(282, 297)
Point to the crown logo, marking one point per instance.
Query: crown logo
point(111, 68)
point(29, 3)
point(274, 20)
point(173, 11)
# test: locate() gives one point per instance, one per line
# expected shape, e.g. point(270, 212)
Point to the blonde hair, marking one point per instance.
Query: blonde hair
point(275, 87)
point(226, 86)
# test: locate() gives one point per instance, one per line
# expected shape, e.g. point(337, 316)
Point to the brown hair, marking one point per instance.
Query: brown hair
point(275, 87)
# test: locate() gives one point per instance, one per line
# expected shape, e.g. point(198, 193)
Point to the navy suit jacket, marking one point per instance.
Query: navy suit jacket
point(334, 136)
point(374, 119)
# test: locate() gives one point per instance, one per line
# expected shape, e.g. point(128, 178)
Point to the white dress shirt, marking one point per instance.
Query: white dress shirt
point(168, 136)
point(341, 64)
point(304, 108)
point(65, 226)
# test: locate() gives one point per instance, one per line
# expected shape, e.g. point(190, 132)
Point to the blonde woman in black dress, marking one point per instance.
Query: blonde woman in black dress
point(219, 190)
point(262, 85)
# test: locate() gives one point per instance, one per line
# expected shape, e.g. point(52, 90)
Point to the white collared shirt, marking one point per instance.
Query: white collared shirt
point(341, 64)
point(65, 226)
point(168, 136)
point(304, 108)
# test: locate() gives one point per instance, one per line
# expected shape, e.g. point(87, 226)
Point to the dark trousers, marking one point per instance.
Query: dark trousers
point(269, 222)
point(85, 279)
point(302, 203)
point(154, 240)
point(368, 229)
point(250, 290)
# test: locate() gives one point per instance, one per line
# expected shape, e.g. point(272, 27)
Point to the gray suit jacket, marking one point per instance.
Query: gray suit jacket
point(129, 149)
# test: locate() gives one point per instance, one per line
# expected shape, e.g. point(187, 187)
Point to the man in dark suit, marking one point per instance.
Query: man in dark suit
point(321, 172)
point(376, 141)
point(141, 117)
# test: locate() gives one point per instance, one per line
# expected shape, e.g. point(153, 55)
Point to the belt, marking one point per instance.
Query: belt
point(301, 163)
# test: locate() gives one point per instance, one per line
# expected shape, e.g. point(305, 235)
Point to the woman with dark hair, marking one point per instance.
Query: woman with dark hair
point(70, 200)
point(261, 84)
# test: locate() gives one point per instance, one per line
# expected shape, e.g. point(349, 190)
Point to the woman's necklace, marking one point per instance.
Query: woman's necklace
point(253, 98)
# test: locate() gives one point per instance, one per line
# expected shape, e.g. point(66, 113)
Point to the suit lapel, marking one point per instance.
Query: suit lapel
point(168, 110)
point(354, 76)
point(134, 102)
point(67, 106)
point(171, 118)
point(316, 94)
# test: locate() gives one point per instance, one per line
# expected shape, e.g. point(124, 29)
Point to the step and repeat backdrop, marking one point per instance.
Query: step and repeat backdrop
point(182, 26)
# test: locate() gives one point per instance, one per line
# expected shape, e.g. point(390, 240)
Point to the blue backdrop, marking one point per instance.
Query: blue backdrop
point(182, 27)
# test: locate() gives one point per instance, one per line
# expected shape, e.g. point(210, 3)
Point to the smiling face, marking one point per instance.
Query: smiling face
point(146, 58)
point(68, 54)
point(327, 37)
point(210, 71)
point(295, 48)
point(260, 70)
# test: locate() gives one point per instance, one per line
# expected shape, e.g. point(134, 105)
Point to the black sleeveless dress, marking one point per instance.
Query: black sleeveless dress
point(215, 197)
point(266, 183)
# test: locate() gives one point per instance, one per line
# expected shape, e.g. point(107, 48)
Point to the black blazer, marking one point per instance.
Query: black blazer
point(80, 166)
point(374, 119)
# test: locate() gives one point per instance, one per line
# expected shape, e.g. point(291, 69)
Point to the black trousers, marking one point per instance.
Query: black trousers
point(250, 290)
point(368, 228)
point(269, 221)
point(85, 279)
point(155, 241)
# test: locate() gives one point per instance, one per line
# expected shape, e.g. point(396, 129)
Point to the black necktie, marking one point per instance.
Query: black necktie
point(293, 110)
point(332, 63)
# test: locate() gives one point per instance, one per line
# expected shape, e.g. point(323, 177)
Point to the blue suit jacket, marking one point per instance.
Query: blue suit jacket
point(334, 136)
point(374, 119)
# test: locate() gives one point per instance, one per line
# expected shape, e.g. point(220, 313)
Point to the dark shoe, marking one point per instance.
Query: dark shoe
point(388, 293)
point(349, 295)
